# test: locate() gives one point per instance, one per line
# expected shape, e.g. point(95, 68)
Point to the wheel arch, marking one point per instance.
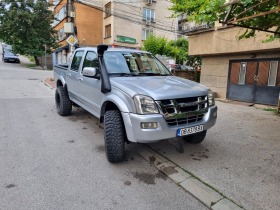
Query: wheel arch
point(115, 102)
point(61, 83)
point(107, 105)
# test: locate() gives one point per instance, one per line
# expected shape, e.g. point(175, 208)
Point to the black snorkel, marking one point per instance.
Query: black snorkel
point(105, 82)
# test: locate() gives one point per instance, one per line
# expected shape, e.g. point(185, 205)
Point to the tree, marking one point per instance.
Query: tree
point(177, 49)
point(251, 14)
point(155, 45)
point(26, 25)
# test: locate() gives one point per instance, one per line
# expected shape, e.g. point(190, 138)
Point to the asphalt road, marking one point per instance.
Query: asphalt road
point(53, 162)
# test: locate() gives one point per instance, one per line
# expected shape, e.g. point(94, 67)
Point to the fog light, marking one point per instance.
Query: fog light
point(148, 125)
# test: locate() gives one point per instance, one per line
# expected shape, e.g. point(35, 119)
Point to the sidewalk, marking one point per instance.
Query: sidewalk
point(27, 63)
point(238, 164)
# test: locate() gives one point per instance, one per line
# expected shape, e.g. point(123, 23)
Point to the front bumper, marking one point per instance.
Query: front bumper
point(136, 134)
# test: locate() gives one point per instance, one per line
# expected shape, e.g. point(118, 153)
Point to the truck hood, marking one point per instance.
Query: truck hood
point(159, 87)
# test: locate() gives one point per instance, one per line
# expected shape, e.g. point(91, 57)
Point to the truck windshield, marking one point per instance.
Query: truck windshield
point(134, 64)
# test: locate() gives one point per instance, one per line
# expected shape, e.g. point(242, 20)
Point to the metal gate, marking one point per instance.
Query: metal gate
point(256, 81)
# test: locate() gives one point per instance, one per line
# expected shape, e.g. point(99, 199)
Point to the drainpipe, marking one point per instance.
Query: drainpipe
point(105, 82)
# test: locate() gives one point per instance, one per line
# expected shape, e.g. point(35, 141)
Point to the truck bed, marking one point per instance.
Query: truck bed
point(60, 71)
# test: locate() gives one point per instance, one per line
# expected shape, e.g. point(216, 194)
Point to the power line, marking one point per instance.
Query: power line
point(128, 18)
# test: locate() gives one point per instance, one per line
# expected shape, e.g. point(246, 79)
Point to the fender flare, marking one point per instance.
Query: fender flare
point(117, 101)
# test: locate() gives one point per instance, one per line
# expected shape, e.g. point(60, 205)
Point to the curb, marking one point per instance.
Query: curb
point(204, 193)
point(47, 82)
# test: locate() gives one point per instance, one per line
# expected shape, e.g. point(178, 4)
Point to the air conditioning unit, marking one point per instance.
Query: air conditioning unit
point(72, 14)
point(149, 2)
point(148, 22)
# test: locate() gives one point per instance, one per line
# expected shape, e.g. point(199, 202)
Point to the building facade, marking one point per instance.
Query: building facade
point(245, 70)
point(128, 23)
point(77, 18)
point(115, 23)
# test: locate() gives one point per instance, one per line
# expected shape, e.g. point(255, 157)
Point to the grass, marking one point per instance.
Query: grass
point(31, 58)
point(271, 110)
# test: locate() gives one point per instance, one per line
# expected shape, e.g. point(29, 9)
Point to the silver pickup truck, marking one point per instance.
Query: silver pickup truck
point(135, 97)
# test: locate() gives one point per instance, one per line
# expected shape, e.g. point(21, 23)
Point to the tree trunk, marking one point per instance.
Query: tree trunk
point(36, 61)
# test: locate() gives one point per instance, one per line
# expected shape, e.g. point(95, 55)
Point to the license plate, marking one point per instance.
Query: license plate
point(190, 130)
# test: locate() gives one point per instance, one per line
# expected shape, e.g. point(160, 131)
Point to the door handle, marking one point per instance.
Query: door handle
point(69, 75)
point(81, 79)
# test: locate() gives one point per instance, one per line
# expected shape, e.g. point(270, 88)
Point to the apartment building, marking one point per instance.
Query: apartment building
point(77, 18)
point(128, 23)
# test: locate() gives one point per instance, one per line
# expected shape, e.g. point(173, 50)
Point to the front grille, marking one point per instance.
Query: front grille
point(183, 110)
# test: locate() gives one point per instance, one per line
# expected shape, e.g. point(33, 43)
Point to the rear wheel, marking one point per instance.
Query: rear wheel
point(114, 136)
point(195, 138)
point(62, 102)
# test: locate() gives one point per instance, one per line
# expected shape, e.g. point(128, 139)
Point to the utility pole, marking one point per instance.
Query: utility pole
point(45, 67)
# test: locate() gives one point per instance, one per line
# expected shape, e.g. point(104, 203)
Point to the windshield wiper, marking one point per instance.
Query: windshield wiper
point(149, 74)
point(121, 74)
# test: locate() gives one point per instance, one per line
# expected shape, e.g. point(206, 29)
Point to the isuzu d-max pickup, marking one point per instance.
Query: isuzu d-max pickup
point(135, 97)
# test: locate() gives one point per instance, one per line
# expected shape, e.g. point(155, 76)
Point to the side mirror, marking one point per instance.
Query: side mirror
point(17, 55)
point(89, 72)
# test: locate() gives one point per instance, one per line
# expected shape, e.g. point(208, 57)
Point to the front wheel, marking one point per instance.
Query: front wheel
point(114, 136)
point(62, 102)
point(195, 138)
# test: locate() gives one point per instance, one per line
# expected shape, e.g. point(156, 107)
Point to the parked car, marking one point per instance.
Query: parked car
point(10, 57)
point(187, 68)
point(135, 97)
point(173, 67)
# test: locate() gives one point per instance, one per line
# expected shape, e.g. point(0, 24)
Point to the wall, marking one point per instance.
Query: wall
point(89, 25)
point(191, 75)
point(214, 70)
point(226, 41)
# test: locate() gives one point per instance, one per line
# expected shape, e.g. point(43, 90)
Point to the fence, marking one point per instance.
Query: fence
point(49, 61)
point(191, 75)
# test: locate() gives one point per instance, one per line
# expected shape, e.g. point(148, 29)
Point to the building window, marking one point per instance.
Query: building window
point(149, 14)
point(108, 31)
point(108, 10)
point(242, 73)
point(59, 16)
point(146, 33)
point(61, 34)
point(273, 67)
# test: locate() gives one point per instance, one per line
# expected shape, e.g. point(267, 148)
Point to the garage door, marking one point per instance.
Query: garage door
point(256, 81)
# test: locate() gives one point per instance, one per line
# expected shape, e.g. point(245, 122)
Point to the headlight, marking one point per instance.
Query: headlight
point(211, 98)
point(145, 105)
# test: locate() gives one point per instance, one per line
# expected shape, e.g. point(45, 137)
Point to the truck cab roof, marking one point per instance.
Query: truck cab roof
point(114, 49)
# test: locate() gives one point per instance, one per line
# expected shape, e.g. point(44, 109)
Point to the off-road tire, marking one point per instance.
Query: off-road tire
point(62, 102)
point(195, 138)
point(114, 136)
